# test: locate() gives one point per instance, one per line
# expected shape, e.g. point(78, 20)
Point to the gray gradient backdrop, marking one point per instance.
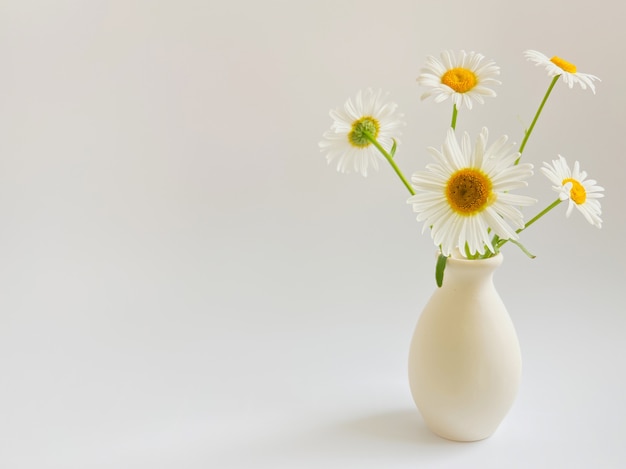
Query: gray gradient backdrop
point(185, 283)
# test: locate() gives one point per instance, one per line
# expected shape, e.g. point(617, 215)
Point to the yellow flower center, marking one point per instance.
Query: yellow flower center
point(563, 64)
point(459, 79)
point(361, 129)
point(577, 193)
point(469, 191)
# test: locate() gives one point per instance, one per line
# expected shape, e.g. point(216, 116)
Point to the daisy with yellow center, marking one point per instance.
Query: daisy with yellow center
point(465, 197)
point(359, 129)
point(464, 79)
point(573, 185)
point(557, 66)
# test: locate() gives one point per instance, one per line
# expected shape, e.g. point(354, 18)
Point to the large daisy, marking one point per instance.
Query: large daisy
point(558, 66)
point(464, 79)
point(349, 139)
point(574, 186)
point(465, 196)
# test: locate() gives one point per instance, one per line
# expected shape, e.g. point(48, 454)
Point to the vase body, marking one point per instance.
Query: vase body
point(464, 360)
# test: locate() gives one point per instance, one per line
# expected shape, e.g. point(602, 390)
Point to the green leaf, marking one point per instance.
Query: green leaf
point(524, 250)
point(393, 148)
point(441, 266)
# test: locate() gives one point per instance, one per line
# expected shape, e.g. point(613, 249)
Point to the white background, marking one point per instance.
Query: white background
point(185, 282)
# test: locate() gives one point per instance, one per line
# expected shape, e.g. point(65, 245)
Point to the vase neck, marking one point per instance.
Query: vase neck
point(471, 271)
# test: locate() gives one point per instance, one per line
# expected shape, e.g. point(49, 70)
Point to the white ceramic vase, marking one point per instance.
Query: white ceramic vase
point(464, 361)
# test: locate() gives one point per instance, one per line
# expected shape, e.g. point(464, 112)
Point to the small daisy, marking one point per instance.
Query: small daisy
point(466, 193)
point(557, 66)
point(574, 186)
point(347, 140)
point(464, 80)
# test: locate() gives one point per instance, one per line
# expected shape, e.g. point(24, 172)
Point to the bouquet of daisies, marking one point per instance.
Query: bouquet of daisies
point(466, 198)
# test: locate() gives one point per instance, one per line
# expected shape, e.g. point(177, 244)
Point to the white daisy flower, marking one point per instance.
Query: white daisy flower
point(465, 196)
point(464, 80)
point(557, 66)
point(347, 140)
point(574, 186)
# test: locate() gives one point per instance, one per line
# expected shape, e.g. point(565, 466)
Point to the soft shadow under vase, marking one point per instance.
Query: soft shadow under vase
point(464, 361)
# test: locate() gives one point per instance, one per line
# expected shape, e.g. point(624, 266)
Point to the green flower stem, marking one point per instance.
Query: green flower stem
point(534, 219)
point(389, 158)
point(496, 241)
point(455, 113)
point(540, 214)
point(532, 124)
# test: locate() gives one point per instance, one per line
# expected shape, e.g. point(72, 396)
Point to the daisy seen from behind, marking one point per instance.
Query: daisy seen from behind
point(358, 129)
point(572, 185)
point(465, 196)
point(464, 79)
point(557, 66)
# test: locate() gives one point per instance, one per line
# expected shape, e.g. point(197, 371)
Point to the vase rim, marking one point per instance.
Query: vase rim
point(456, 256)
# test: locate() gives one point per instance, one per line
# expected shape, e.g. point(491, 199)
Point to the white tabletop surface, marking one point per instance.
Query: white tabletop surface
point(186, 284)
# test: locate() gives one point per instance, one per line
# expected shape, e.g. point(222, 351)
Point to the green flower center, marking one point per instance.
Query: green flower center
point(469, 191)
point(578, 193)
point(459, 79)
point(361, 129)
point(563, 64)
